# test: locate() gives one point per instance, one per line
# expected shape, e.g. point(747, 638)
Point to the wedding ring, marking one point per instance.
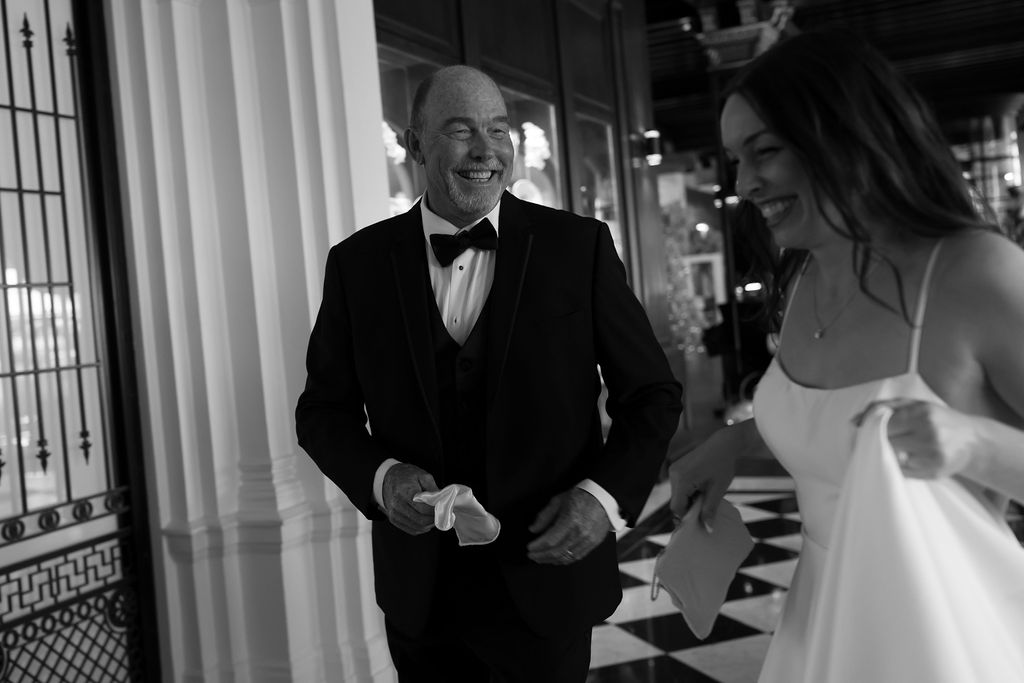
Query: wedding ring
point(568, 553)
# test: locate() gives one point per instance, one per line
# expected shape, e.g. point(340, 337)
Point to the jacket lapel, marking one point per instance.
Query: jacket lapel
point(413, 284)
point(515, 239)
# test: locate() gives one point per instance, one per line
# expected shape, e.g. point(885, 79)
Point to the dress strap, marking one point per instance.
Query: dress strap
point(922, 303)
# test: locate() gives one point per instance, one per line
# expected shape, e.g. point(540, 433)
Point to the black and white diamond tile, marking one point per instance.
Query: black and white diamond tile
point(647, 641)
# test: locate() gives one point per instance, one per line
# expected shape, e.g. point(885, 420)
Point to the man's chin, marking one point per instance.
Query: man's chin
point(476, 203)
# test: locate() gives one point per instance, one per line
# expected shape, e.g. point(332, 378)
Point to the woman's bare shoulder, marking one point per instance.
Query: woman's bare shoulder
point(979, 285)
point(979, 262)
point(977, 249)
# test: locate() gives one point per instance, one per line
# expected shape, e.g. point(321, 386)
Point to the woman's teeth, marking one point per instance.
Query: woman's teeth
point(773, 211)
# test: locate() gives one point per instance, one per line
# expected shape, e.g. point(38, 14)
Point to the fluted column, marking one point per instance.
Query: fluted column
point(249, 144)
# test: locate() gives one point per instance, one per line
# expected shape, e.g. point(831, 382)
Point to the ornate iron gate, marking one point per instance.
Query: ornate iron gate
point(74, 566)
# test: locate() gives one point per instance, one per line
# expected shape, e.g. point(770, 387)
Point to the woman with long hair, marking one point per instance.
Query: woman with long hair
point(899, 374)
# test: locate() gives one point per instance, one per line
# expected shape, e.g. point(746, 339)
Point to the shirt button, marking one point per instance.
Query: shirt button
point(465, 364)
point(462, 267)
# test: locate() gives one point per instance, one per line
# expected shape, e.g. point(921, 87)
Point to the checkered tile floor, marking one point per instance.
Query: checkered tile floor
point(647, 641)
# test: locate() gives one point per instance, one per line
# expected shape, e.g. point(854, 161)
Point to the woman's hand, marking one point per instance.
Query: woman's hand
point(931, 440)
point(702, 476)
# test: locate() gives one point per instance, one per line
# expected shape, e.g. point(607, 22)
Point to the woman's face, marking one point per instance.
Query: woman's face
point(770, 175)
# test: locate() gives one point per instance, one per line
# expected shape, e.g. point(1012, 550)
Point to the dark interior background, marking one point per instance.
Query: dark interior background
point(966, 56)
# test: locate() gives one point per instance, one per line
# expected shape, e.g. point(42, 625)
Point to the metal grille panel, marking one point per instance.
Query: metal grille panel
point(85, 642)
point(72, 616)
point(69, 588)
point(53, 431)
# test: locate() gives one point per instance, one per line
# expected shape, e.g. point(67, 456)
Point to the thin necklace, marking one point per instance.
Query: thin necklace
point(819, 332)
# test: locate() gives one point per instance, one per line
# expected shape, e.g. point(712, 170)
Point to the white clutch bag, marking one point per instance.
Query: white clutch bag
point(696, 567)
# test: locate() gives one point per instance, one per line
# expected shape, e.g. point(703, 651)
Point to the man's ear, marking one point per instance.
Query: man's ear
point(413, 146)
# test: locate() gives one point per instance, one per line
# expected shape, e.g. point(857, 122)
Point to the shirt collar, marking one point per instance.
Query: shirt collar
point(433, 224)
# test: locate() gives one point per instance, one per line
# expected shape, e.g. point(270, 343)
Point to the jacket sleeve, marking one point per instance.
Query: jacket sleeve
point(644, 398)
point(330, 418)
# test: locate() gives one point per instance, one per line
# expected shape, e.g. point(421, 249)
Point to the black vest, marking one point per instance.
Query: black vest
point(461, 385)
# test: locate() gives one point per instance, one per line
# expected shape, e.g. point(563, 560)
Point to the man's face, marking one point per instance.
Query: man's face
point(464, 146)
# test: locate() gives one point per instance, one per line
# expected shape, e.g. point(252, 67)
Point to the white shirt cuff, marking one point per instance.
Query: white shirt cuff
point(378, 481)
point(607, 502)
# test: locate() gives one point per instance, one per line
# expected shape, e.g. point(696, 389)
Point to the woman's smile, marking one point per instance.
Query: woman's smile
point(776, 210)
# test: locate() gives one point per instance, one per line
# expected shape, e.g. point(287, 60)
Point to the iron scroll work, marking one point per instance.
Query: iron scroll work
point(72, 615)
point(69, 570)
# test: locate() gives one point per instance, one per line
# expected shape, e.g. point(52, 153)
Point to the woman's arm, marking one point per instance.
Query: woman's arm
point(998, 462)
point(704, 473)
point(980, 435)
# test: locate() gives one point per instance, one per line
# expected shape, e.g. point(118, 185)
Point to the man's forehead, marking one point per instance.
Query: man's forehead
point(465, 101)
point(464, 83)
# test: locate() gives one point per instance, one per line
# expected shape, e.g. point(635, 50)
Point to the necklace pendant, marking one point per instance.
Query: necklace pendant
point(819, 333)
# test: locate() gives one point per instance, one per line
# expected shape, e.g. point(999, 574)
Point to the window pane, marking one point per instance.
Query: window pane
point(53, 448)
point(599, 188)
point(535, 175)
point(399, 75)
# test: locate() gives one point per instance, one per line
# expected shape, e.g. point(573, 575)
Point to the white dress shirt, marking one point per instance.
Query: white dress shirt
point(460, 291)
point(461, 288)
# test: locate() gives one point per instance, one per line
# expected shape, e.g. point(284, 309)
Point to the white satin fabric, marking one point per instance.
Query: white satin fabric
point(898, 581)
point(922, 581)
point(456, 506)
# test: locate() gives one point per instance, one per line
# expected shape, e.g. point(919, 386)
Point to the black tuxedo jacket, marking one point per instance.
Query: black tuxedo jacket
point(559, 307)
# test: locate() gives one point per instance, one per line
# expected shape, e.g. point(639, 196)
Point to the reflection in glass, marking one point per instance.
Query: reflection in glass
point(400, 74)
point(693, 242)
point(599, 191)
point(535, 176)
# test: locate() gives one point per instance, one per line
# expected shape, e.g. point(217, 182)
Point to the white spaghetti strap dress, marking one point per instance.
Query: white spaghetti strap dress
point(899, 580)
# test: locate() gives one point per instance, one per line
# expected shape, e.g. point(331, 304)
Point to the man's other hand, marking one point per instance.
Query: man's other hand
point(573, 524)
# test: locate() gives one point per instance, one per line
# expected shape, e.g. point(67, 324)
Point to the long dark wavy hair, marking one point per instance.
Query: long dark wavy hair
point(867, 139)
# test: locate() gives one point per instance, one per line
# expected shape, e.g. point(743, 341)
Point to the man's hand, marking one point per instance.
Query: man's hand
point(401, 483)
point(574, 523)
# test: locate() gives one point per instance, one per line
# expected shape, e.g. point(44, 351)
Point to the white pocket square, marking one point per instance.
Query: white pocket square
point(456, 506)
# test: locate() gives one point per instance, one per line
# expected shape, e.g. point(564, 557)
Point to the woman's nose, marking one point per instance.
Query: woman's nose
point(748, 183)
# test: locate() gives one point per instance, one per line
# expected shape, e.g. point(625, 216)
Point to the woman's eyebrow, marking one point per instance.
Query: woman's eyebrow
point(753, 136)
point(747, 141)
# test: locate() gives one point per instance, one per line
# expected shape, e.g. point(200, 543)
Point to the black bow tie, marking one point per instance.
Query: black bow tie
point(447, 247)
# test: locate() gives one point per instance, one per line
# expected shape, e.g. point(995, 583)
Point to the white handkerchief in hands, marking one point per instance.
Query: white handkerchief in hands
point(696, 567)
point(455, 505)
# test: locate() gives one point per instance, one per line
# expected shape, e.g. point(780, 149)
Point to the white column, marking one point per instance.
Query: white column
point(249, 143)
